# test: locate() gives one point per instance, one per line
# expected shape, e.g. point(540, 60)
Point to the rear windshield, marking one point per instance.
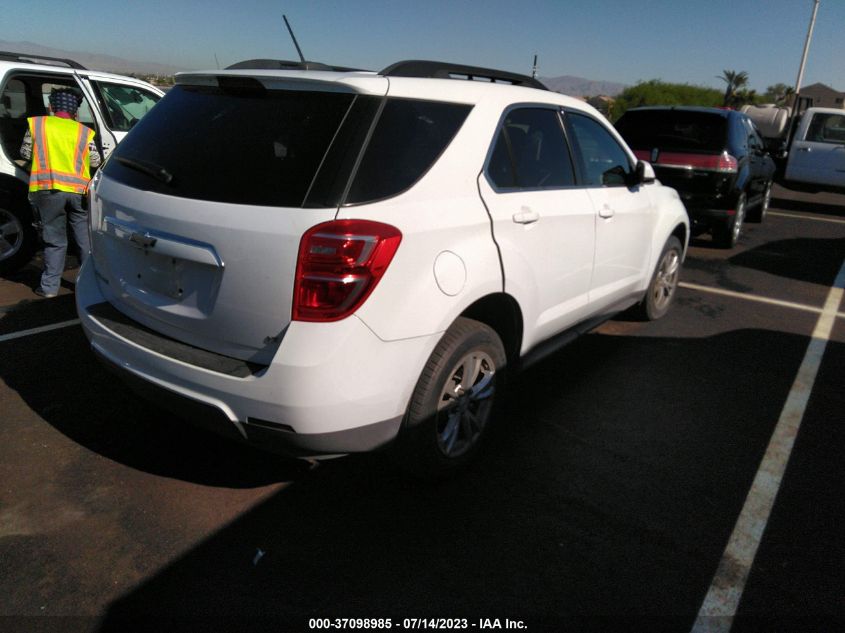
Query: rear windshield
point(245, 144)
point(674, 130)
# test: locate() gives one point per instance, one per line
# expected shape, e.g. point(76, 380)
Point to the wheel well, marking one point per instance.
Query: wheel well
point(681, 233)
point(501, 312)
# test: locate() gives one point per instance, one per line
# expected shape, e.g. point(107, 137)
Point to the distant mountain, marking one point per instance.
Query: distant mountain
point(92, 61)
point(580, 87)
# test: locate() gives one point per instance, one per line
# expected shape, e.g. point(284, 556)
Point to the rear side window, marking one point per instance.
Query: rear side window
point(241, 144)
point(531, 151)
point(674, 130)
point(409, 137)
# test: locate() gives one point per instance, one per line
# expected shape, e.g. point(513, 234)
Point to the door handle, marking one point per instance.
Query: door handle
point(526, 216)
point(606, 212)
point(805, 149)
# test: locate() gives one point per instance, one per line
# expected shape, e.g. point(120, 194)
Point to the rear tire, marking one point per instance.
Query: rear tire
point(758, 215)
point(726, 235)
point(18, 239)
point(453, 404)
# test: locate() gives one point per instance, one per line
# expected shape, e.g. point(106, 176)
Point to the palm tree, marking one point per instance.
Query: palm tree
point(735, 81)
point(779, 93)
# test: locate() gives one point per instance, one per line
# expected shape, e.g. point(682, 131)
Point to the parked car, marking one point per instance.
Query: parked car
point(111, 105)
point(715, 158)
point(324, 262)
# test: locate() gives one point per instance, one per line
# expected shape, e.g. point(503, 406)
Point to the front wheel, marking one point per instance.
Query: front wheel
point(664, 282)
point(452, 406)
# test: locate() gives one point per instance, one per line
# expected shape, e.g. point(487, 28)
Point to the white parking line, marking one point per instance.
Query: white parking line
point(722, 600)
point(759, 299)
point(806, 217)
point(38, 330)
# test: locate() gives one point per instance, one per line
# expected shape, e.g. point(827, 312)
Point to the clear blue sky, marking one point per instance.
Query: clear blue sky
point(688, 41)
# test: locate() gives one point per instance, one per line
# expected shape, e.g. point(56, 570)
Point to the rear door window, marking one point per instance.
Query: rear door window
point(531, 151)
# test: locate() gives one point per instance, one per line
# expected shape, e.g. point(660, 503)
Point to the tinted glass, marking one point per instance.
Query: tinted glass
point(329, 186)
point(408, 138)
point(674, 130)
point(240, 144)
point(124, 105)
point(604, 160)
point(827, 128)
point(500, 168)
point(531, 151)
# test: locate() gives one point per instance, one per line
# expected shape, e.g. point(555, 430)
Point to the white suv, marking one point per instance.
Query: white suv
point(331, 262)
point(111, 105)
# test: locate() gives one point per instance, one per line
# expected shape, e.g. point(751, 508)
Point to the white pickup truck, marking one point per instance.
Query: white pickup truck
point(813, 143)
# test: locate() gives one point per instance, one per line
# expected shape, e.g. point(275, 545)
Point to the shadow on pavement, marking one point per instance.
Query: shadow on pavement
point(609, 490)
point(94, 409)
point(817, 208)
point(790, 259)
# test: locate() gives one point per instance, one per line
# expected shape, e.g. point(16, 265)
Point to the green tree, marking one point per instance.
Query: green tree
point(735, 81)
point(778, 93)
point(656, 92)
point(746, 97)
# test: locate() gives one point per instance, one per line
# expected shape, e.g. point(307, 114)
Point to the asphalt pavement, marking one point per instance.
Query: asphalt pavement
point(605, 500)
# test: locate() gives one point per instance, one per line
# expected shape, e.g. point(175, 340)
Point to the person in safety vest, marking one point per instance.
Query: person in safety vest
point(63, 153)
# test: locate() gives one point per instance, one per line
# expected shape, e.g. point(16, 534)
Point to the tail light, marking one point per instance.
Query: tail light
point(340, 263)
point(722, 163)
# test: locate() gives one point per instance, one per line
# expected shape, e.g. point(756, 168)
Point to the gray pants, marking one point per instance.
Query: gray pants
point(57, 209)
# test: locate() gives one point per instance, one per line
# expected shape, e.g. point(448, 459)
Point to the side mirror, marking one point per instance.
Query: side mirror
point(645, 173)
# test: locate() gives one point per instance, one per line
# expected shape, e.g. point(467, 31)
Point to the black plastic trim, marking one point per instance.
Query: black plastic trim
point(110, 317)
point(447, 70)
point(286, 64)
point(26, 58)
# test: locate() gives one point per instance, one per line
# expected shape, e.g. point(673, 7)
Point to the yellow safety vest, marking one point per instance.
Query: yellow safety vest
point(59, 154)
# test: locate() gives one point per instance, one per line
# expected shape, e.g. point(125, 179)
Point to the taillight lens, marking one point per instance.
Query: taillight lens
point(340, 262)
point(722, 163)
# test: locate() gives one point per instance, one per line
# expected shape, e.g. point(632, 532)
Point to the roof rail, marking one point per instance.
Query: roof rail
point(284, 64)
point(445, 70)
point(40, 59)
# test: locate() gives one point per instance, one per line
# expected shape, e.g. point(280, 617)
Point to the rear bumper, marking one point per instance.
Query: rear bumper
point(331, 388)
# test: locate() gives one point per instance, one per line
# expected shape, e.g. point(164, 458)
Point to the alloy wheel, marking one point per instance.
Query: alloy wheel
point(465, 403)
point(738, 220)
point(11, 235)
point(666, 281)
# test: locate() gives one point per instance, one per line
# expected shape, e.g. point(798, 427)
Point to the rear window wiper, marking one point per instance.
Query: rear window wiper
point(157, 172)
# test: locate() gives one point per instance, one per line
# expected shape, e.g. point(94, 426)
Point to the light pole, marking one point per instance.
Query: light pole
point(806, 48)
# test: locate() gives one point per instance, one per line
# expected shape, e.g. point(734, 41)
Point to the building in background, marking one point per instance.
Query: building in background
point(824, 96)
